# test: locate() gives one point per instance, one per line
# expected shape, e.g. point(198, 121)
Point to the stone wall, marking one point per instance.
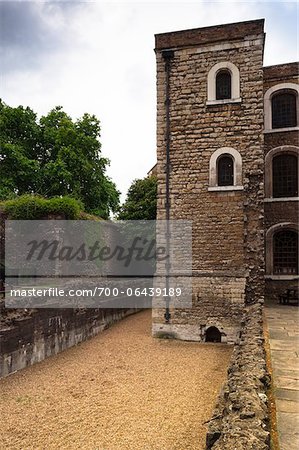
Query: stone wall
point(240, 419)
point(217, 302)
point(29, 336)
point(227, 226)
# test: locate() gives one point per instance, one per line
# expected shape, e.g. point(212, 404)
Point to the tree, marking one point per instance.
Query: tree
point(141, 201)
point(18, 143)
point(54, 156)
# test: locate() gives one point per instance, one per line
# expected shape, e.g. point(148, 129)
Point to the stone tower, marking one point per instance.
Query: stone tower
point(210, 146)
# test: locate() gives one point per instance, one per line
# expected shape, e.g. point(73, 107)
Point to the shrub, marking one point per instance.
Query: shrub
point(31, 207)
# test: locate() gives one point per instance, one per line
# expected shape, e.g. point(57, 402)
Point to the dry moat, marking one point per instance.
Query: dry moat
point(120, 390)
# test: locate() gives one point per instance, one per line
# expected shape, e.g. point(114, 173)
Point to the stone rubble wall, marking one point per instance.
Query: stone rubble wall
point(240, 420)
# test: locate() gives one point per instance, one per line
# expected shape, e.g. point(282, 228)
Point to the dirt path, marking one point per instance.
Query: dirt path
point(122, 390)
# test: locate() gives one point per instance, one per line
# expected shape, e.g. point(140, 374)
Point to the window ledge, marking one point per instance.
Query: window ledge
point(281, 130)
point(223, 102)
point(282, 277)
point(281, 199)
point(225, 188)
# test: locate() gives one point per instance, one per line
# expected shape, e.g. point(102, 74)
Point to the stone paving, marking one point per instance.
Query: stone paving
point(283, 326)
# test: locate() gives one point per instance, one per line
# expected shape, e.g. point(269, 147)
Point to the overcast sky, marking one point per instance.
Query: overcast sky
point(98, 58)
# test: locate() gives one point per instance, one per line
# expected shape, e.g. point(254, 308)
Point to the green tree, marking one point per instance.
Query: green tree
point(18, 143)
point(141, 201)
point(54, 156)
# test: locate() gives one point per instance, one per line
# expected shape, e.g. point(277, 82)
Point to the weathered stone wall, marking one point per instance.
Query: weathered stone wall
point(227, 226)
point(28, 337)
point(240, 419)
point(217, 301)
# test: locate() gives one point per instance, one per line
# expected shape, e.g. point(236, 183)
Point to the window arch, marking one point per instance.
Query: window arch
point(281, 173)
point(285, 252)
point(281, 106)
point(223, 83)
point(225, 170)
point(282, 251)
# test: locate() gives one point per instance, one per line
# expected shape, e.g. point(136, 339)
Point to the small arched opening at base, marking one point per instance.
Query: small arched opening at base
point(213, 335)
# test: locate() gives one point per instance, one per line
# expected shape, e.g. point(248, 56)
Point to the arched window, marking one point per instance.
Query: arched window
point(285, 175)
point(225, 171)
point(284, 110)
point(285, 252)
point(281, 172)
point(223, 85)
point(281, 106)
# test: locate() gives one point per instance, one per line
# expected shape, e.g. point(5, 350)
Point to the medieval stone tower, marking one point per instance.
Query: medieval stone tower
point(210, 152)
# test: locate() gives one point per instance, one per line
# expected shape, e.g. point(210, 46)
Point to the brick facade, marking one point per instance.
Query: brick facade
point(279, 212)
point(227, 224)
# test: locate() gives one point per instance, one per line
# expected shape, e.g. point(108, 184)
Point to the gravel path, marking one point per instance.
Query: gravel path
point(122, 390)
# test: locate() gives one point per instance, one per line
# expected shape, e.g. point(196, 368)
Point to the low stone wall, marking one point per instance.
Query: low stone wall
point(26, 339)
point(240, 420)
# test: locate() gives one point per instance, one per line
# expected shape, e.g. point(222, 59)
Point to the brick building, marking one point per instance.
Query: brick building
point(227, 147)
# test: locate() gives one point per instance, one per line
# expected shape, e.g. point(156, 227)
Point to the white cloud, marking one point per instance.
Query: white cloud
point(104, 64)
